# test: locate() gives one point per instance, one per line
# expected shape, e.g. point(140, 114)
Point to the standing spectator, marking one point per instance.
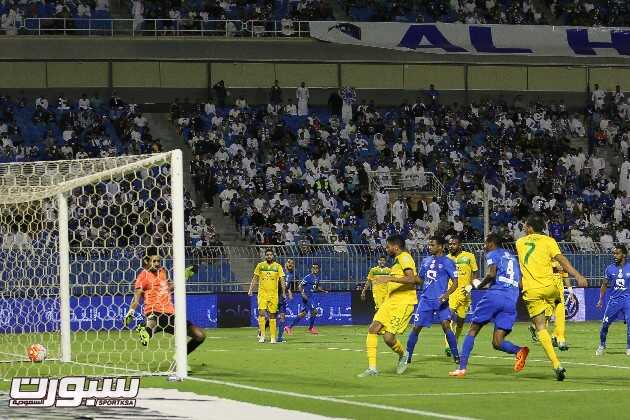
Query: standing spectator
point(302, 95)
point(275, 94)
point(597, 97)
point(220, 93)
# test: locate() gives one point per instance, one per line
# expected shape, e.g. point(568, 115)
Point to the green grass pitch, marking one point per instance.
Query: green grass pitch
point(318, 374)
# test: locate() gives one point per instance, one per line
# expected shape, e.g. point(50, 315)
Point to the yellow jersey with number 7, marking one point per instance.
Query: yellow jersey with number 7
point(535, 255)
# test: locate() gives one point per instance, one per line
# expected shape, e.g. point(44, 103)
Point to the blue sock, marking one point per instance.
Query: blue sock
point(509, 347)
point(603, 333)
point(281, 323)
point(412, 340)
point(295, 321)
point(452, 342)
point(311, 321)
point(469, 343)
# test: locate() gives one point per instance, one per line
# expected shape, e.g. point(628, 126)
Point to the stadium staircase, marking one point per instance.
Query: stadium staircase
point(162, 129)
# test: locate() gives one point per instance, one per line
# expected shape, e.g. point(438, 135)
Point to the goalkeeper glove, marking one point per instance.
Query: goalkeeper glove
point(128, 317)
point(191, 270)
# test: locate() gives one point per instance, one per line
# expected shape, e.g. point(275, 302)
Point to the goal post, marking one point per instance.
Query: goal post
point(73, 237)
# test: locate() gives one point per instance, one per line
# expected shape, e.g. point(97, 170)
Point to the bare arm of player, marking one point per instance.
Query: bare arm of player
point(283, 285)
point(365, 288)
point(454, 283)
point(602, 293)
point(137, 295)
point(320, 290)
point(409, 278)
point(566, 265)
point(252, 285)
point(490, 275)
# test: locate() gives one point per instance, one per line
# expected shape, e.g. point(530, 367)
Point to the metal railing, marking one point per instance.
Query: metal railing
point(425, 182)
point(229, 268)
point(164, 27)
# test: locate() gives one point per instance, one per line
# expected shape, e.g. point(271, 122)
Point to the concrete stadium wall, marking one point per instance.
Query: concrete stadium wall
point(158, 81)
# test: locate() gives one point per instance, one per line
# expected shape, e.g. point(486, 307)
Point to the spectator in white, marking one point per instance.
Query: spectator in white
point(381, 200)
point(606, 241)
point(62, 103)
point(290, 108)
point(137, 12)
point(84, 102)
point(241, 103)
point(287, 26)
point(619, 97)
point(83, 10)
point(209, 108)
point(140, 121)
point(624, 177)
point(576, 126)
point(102, 5)
point(41, 101)
point(226, 197)
point(434, 211)
point(596, 164)
point(8, 22)
point(598, 97)
point(340, 244)
point(623, 235)
point(302, 94)
point(400, 211)
point(327, 228)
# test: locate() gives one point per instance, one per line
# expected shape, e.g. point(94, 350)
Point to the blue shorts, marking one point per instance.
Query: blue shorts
point(497, 307)
point(282, 305)
point(614, 309)
point(310, 304)
point(426, 311)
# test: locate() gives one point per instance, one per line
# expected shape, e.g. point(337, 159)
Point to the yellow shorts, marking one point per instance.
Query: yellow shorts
point(459, 303)
point(267, 302)
point(379, 298)
point(542, 300)
point(394, 316)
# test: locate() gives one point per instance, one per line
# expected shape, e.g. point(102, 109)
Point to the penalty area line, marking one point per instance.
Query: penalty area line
point(332, 399)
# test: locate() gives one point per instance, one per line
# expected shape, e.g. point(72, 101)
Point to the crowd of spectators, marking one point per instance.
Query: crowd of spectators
point(60, 15)
point(591, 12)
point(466, 11)
point(130, 211)
point(286, 178)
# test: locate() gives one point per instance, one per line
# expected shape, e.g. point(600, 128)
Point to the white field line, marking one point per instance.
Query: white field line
point(455, 394)
point(421, 413)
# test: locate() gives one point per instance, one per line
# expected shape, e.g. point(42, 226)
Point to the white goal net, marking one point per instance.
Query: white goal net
point(74, 234)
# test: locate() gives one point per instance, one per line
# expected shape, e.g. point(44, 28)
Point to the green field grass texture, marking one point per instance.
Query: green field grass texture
point(318, 374)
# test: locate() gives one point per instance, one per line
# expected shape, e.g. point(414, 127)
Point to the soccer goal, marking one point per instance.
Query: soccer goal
point(74, 234)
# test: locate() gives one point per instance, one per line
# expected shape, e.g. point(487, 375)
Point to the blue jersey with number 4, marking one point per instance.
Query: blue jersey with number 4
point(619, 279)
point(508, 272)
point(435, 273)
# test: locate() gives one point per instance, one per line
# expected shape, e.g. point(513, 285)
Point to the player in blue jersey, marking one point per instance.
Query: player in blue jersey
point(498, 305)
point(289, 278)
point(618, 275)
point(435, 273)
point(309, 287)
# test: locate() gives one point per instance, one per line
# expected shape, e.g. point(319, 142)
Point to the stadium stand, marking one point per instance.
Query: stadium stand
point(305, 178)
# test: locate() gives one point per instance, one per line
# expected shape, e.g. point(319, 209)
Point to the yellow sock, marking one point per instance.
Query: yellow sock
point(370, 344)
point(559, 329)
point(398, 348)
point(272, 328)
point(261, 325)
point(545, 341)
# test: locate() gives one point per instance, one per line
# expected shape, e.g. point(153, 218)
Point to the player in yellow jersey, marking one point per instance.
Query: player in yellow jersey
point(558, 338)
point(393, 316)
point(459, 301)
point(268, 274)
point(536, 253)
point(379, 291)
